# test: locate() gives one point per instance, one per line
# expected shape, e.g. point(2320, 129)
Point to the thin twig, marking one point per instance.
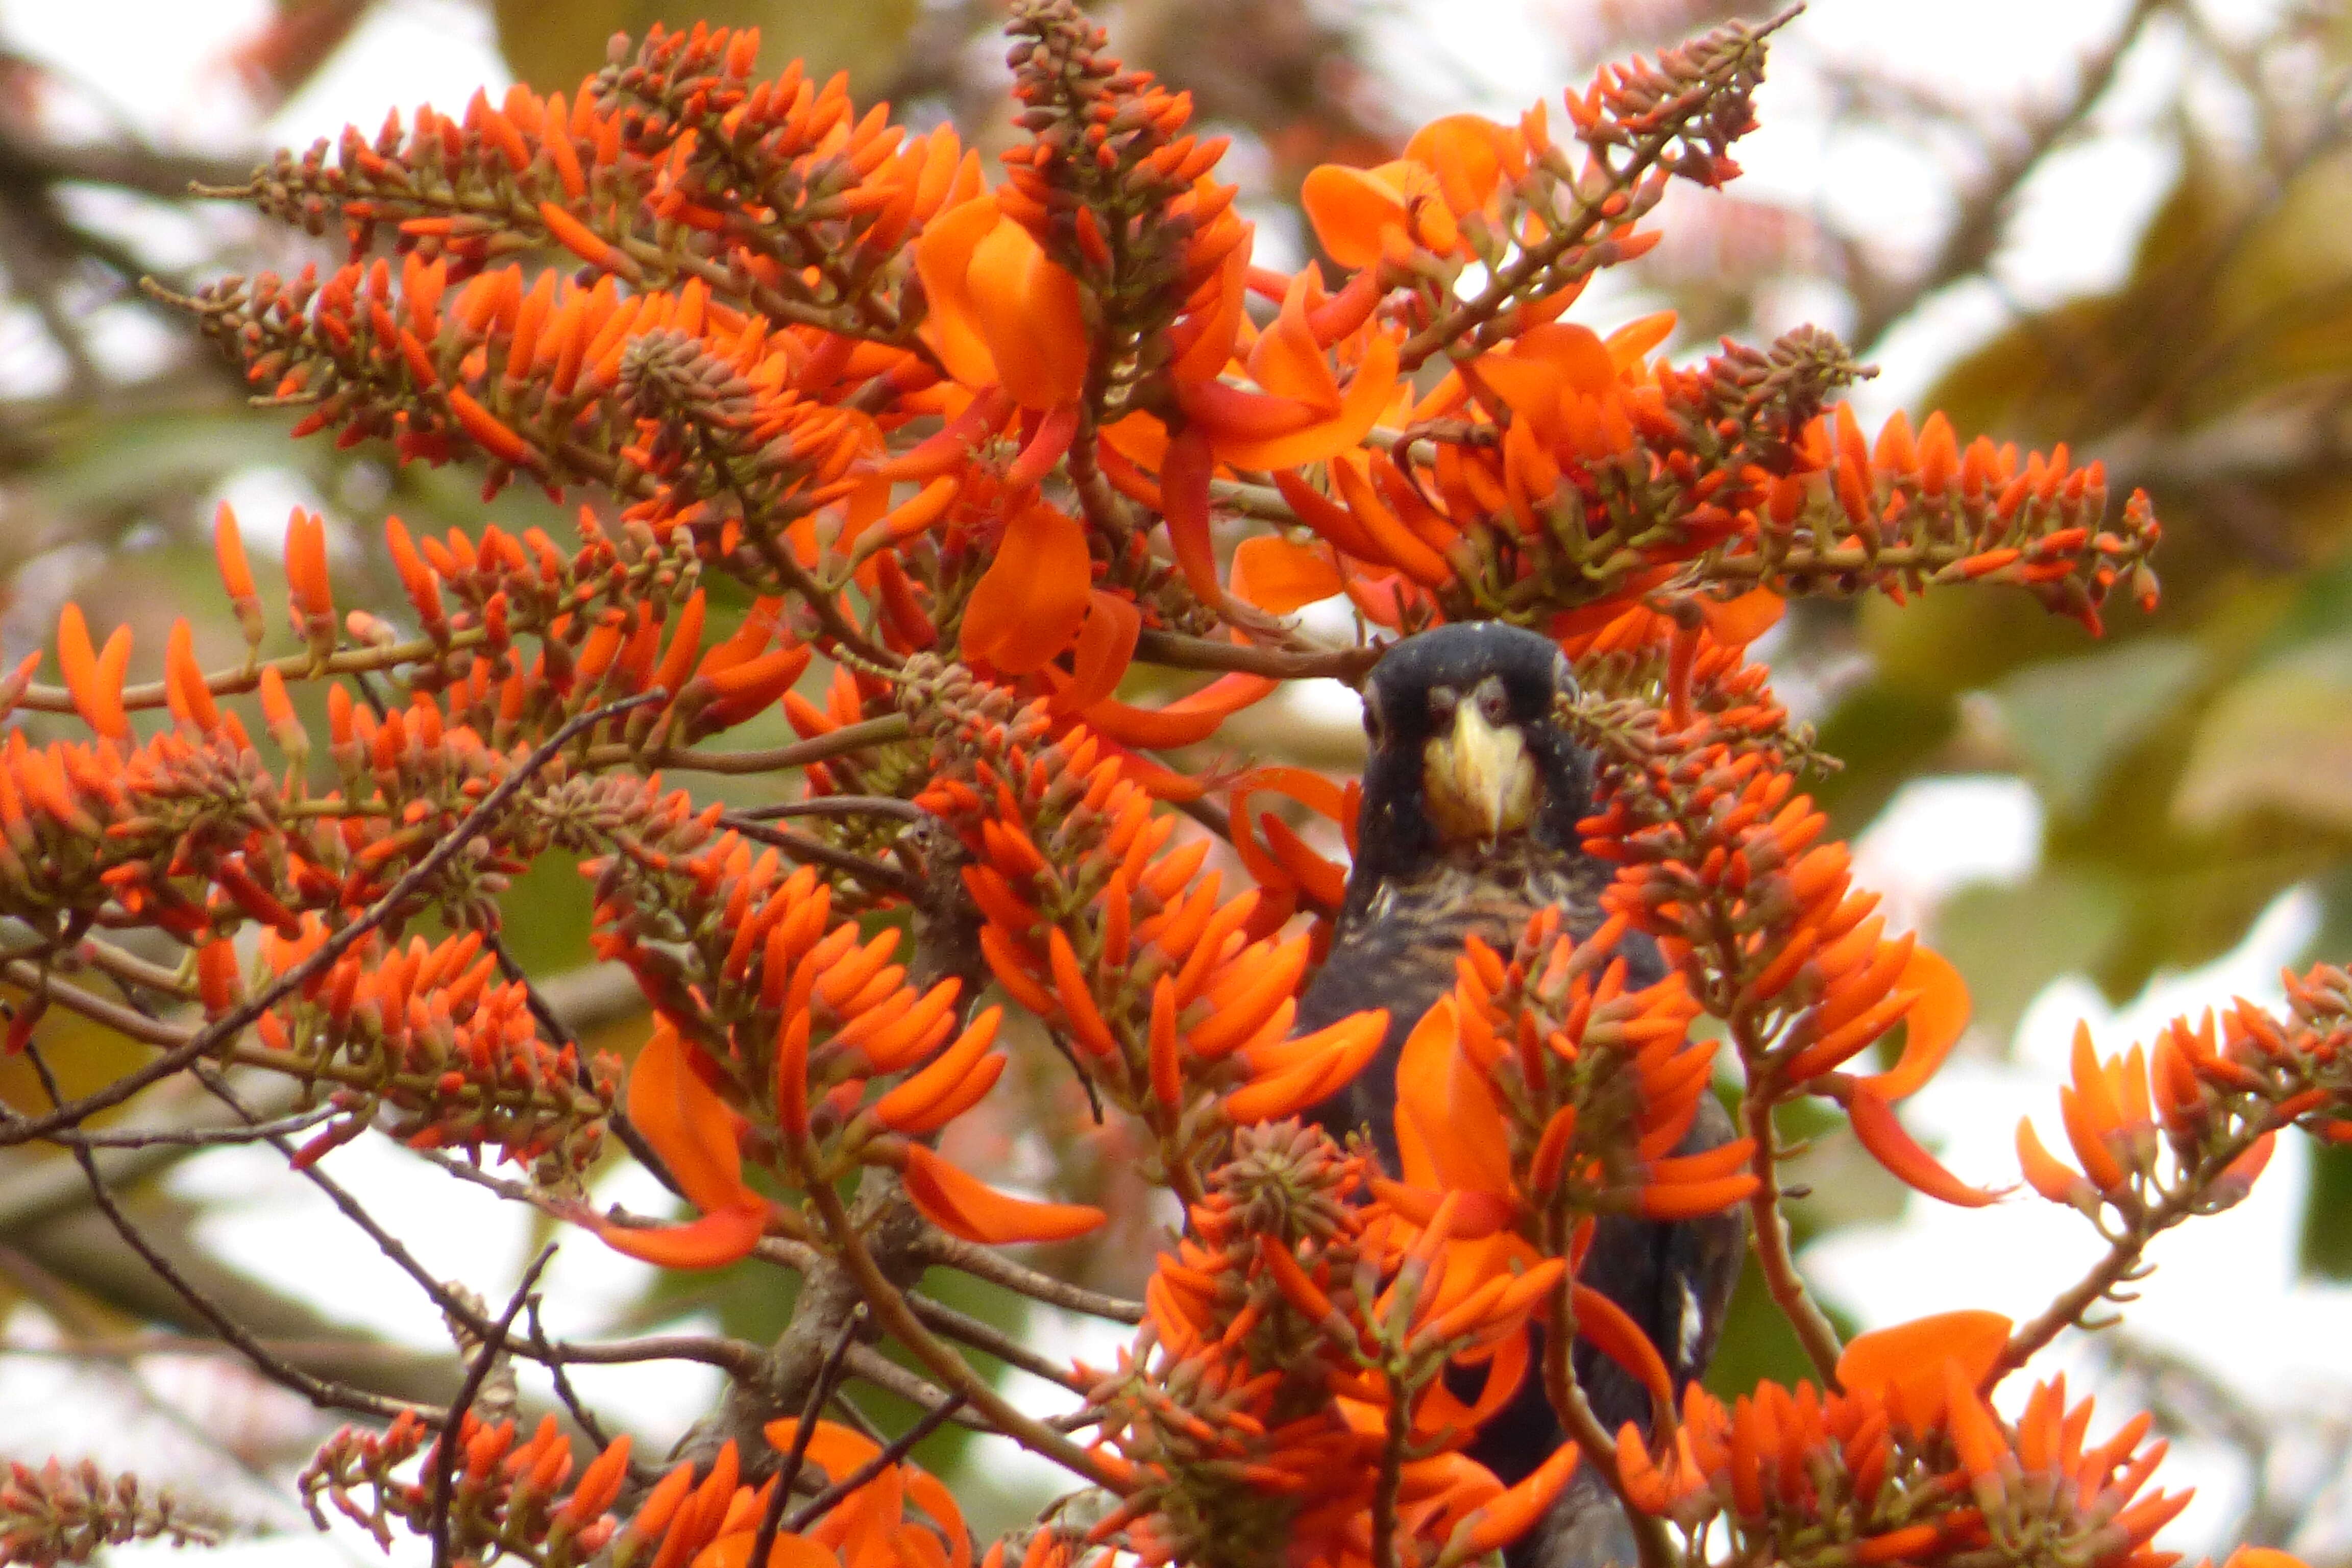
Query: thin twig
point(233, 1022)
point(984, 1337)
point(899, 1320)
point(585, 1418)
point(319, 1391)
point(1767, 1229)
point(837, 806)
point(821, 1387)
point(1583, 1428)
point(196, 1137)
point(898, 1449)
point(954, 1252)
point(804, 846)
point(445, 1457)
point(1180, 652)
point(833, 743)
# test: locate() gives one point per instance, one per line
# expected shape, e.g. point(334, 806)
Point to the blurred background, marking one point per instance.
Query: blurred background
point(2113, 223)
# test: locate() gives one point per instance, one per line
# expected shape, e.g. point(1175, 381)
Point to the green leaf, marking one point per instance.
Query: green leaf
point(2279, 740)
point(2074, 719)
point(2071, 918)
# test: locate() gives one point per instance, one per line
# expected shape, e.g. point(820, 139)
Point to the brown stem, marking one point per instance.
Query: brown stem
point(445, 1457)
point(1583, 1428)
point(1768, 1228)
point(319, 1391)
point(984, 1263)
point(891, 1307)
point(2124, 1253)
point(1180, 652)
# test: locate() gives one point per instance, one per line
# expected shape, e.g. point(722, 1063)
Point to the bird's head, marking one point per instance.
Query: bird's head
point(1465, 747)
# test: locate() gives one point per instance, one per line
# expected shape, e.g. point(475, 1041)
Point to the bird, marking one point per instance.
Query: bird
point(1472, 792)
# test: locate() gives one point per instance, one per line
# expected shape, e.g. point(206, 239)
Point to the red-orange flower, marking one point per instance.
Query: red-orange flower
point(1002, 313)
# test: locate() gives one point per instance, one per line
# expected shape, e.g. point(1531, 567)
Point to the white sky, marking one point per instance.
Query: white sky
point(2078, 221)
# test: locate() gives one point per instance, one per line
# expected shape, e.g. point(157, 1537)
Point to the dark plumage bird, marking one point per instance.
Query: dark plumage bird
point(1471, 794)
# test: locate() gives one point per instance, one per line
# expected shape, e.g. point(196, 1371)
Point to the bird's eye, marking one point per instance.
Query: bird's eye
point(1372, 722)
point(1442, 700)
point(1494, 702)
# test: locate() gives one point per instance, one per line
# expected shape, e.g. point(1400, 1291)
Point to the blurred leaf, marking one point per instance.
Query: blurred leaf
point(551, 44)
point(126, 462)
point(2279, 740)
point(547, 913)
point(2072, 719)
point(2324, 1249)
point(2073, 918)
point(1882, 734)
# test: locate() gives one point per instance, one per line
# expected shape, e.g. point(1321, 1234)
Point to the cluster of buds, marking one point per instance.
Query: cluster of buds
point(498, 1499)
point(1907, 1462)
point(1545, 1087)
point(427, 1034)
point(1290, 1365)
point(60, 1513)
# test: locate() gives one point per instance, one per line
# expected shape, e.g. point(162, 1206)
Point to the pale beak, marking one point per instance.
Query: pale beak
point(1479, 781)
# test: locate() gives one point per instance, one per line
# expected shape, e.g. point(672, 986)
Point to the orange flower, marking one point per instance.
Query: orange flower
point(1002, 313)
point(1450, 168)
point(693, 1131)
point(1035, 595)
point(964, 1205)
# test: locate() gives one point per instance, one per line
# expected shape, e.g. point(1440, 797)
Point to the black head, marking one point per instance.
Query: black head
point(1466, 749)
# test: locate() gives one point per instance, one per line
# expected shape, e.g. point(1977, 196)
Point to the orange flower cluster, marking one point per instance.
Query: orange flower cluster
point(715, 1522)
point(1121, 942)
point(782, 1011)
point(1717, 859)
point(1541, 1086)
point(932, 432)
point(425, 1032)
point(1288, 1372)
point(1908, 1463)
point(2214, 1098)
point(503, 1496)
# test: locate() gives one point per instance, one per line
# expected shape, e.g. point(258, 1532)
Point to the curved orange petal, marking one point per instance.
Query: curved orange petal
point(1735, 623)
point(1876, 1126)
point(1907, 1359)
point(943, 260)
point(1106, 646)
point(1630, 343)
point(1458, 1137)
point(963, 1205)
point(687, 1125)
point(1349, 208)
point(720, 1237)
point(1183, 723)
point(1360, 410)
point(1220, 319)
point(1934, 1024)
point(1287, 359)
point(1466, 153)
point(1029, 311)
point(1576, 350)
point(1274, 574)
point(98, 700)
point(1033, 597)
